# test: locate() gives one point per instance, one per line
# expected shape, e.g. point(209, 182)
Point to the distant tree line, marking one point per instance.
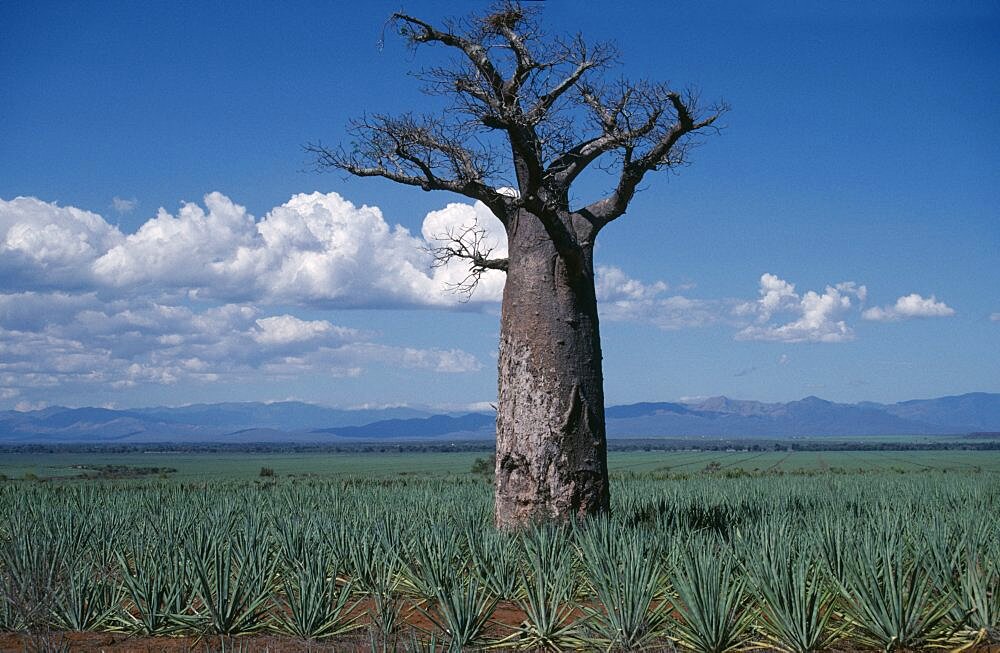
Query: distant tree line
point(989, 442)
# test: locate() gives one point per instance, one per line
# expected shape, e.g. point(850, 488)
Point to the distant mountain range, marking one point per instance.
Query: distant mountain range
point(301, 422)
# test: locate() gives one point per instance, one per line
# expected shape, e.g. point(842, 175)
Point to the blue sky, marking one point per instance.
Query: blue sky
point(839, 238)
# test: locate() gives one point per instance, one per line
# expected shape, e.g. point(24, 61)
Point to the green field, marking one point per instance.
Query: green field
point(703, 551)
point(691, 462)
point(885, 549)
point(208, 466)
point(244, 465)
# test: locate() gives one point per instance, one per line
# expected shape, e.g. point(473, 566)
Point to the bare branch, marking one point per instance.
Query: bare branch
point(522, 102)
point(526, 62)
point(469, 244)
point(532, 107)
point(625, 122)
point(422, 152)
point(667, 148)
point(599, 57)
point(418, 31)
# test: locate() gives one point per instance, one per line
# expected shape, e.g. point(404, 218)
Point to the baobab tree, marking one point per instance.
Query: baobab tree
point(526, 115)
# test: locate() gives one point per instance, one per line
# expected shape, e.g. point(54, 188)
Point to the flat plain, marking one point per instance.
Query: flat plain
point(388, 547)
point(208, 465)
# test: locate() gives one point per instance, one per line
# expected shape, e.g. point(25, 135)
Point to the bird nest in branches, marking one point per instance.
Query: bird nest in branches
point(507, 18)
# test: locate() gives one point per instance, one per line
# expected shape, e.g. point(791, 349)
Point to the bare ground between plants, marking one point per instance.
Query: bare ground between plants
point(357, 642)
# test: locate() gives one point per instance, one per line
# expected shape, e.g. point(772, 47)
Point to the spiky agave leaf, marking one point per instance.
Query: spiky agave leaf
point(836, 544)
point(625, 577)
point(796, 602)
point(376, 567)
point(234, 586)
point(461, 610)
point(154, 580)
point(710, 601)
point(34, 568)
point(890, 601)
point(8, 620)
point(548, 586)
point(312, 607)
point(433, 558)
point(496, 562)
point(86, 602)
point(941, 556)
point(979, 594)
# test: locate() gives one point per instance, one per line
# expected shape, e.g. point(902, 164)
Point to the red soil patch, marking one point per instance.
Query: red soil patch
point(415, 623)
point(504, 621)
point(121, 643)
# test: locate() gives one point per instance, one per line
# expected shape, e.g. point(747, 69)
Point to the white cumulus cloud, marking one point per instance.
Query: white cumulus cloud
point(612, 284)
point(808, 317)
point(44, 245)
point(288, 329)
point(909, 306)
point(458, 220)
point(775, 295)
point(316, 249)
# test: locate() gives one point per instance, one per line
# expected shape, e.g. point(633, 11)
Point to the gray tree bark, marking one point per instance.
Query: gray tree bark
point(551, 458)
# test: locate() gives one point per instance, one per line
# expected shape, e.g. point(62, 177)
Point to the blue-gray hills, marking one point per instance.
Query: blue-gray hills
point(302, 422)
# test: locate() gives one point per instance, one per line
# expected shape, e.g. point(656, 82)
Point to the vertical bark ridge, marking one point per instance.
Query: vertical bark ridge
point(551, 445)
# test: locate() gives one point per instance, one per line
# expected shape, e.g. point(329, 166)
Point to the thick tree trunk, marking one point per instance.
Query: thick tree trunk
point(551, 446)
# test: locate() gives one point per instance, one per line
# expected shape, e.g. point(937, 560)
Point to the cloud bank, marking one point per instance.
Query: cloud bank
point(208, 294)
point(316, 249)
point(192, 297)
point(121, 344)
